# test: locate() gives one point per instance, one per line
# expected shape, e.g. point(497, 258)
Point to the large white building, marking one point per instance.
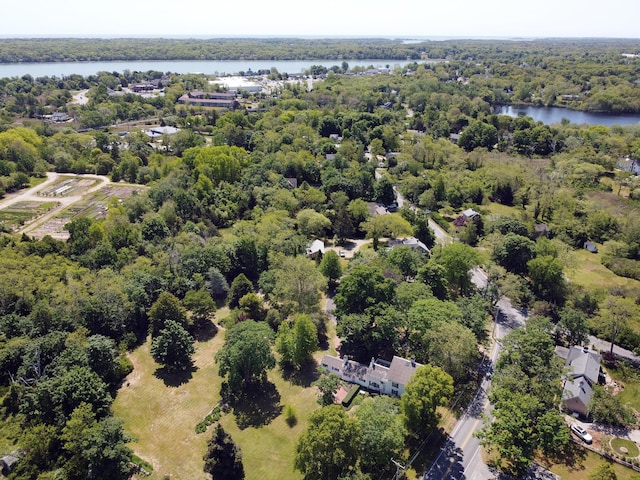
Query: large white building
point(386, 378)
point(238, 84)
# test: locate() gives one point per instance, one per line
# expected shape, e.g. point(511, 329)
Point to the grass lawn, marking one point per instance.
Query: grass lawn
point(617, 444)
point(628, 376)
point(163, 418)
point(585, 464)
point(590, 273)
point(497, 209)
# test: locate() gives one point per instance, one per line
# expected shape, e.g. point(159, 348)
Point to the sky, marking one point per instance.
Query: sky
point(323, 18)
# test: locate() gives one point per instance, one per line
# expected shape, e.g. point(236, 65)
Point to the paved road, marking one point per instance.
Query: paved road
point(461, 456)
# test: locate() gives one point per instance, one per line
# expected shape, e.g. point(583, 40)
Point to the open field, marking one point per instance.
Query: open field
point(590, 273)
point(163, 417)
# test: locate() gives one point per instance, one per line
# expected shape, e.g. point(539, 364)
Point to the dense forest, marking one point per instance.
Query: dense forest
point(81, 50)
point(216, 236)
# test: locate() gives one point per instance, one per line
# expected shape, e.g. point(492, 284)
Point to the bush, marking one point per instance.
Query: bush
point(440, 220)
point(623, 267)
point(352, 393)
point(290, 416)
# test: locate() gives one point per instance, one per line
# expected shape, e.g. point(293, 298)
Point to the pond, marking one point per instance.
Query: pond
point(551, 115)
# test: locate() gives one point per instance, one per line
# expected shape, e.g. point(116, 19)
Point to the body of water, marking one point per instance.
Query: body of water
point(551, 115)
point(217, 67)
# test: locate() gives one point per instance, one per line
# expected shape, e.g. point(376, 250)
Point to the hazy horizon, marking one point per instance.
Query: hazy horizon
point(402, 19)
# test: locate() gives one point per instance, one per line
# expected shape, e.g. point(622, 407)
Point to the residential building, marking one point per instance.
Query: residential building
point(583, 374)
point(386, 378)
point(413, 243)
point(316, 247)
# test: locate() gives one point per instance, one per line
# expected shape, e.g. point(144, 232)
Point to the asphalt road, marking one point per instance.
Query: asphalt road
point(461, 456)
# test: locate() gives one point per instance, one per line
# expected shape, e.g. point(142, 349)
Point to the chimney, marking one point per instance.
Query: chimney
point(413, 362)
point(372, 364)
point(346, 360)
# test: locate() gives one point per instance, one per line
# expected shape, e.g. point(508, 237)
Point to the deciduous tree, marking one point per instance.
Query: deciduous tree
point(173, 347)
point(246, 355)
point(166, 307)
point(429, 388)
point(329, 448)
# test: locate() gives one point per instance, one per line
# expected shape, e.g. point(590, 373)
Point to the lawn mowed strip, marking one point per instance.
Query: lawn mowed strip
point(163, 417)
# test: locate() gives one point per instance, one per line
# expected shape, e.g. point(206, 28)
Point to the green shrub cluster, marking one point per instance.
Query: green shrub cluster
point(352, 393)
point(210, 419)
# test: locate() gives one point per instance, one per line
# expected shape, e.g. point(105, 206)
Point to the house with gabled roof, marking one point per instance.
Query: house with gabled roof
point(380, 376)
point(412, 242)
point(583, 373)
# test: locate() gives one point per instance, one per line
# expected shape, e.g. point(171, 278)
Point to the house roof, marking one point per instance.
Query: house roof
point(412, 242)
point(470, 213)
point(331, 361)
point(401, 370)
point(315, 247)
point(579, 389)
point(584, 363)
point(292, 181)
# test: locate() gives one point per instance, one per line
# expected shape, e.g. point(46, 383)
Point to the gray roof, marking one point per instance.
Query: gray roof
point(578, 388)
point(585, 363)
point(331, 361)
point(401, 370)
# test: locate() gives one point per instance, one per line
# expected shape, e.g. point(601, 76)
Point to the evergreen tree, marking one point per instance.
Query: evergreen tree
point(223, 459)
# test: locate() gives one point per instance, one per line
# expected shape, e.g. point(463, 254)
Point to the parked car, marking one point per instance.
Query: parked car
point(392, 207)
point(581, 433)
point(342, 253)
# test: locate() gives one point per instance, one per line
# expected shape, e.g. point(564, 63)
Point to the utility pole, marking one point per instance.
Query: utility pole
point(399, 467)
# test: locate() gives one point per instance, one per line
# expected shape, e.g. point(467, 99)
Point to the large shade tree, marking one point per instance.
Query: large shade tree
point(246, 355)
point(329, 448)
point(428, 388)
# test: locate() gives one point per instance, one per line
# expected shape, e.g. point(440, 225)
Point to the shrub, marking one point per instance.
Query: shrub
point(290, 416)
point(440, 220)
point(352, 393)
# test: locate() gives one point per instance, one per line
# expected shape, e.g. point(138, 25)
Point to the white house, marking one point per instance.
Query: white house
point(386, 378)
point(413, 243)
point(315, 247)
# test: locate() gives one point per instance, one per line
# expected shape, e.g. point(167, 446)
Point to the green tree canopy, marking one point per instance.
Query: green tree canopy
point(297, 342)
point(457, 260)
point(246, 355)
point(382, 433)
point(173, 347)
point(223, 458)
point(329, 448)
point(166, 307)
point(429, 388)
point(364, 287)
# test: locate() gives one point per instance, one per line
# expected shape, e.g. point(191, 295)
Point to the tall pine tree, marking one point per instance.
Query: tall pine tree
point(223, 458)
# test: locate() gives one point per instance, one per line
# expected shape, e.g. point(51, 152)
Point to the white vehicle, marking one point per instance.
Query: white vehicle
point(582, 433)
point(342, 253)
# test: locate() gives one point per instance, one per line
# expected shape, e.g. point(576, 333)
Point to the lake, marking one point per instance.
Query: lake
point(214, 67)
point(551, 115)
